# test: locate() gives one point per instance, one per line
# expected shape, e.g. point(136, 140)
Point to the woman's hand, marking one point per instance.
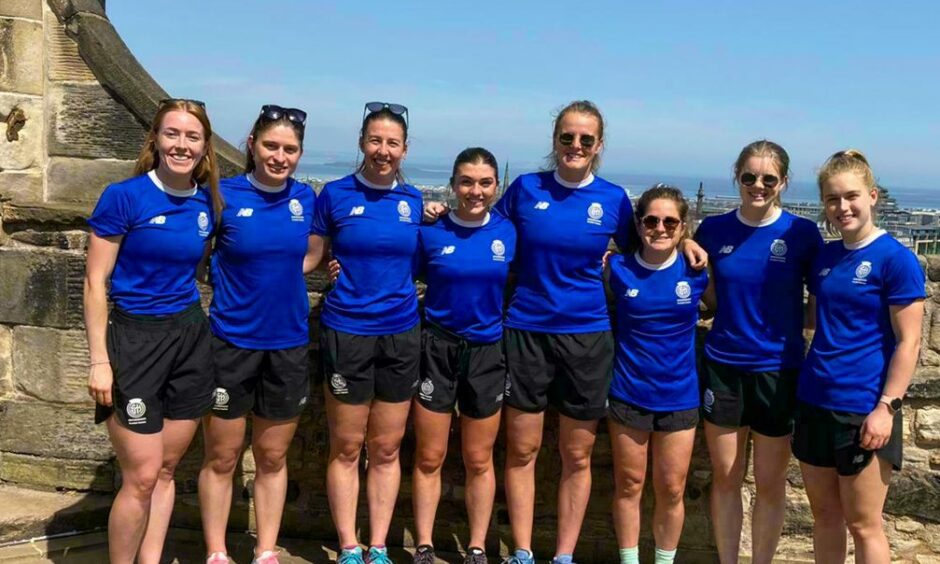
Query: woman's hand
point(334, 270)
point(100, 381)
point(434, 210)
point(695, 255)
point(876, 429)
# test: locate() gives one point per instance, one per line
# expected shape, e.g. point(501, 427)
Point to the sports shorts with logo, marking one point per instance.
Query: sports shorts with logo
point(361, 368)
point(763, 401)
point(572, 372)
point(832, 439)
point(273, 384)
point(642, 419)
point(455, 371)
point(162, 368)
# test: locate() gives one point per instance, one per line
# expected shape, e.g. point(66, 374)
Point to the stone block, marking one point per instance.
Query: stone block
point(43, 289)
point(26, 151)
point(52, 365)
point(54, 431)
point(57, 473)
point(915, 494)
point(926, 381)
point(21, 61)
point(86, 121)
point(928, 427)
point(83, 180)
point(6, 361)
point(23, 186)
point(27, 9)
point(65, 63)
point(50, 216)
point(933, 268)
point(65, 240)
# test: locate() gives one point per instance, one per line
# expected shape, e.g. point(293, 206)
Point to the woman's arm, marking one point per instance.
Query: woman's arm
point(709, 297)
point(317, 248)
point(809, 316)
point(202, 269)
point(102, 254)
point(695, 255)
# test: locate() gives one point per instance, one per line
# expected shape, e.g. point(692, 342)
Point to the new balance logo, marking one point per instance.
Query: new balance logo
point(448, 250)
point(541, 206)
point(245, 212)
point(159, 220)
point(726, 250)
point(357, 210)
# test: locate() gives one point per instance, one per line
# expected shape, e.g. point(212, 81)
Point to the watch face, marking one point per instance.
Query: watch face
point(896, 404)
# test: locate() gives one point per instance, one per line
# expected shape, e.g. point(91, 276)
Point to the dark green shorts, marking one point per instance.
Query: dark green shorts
point(763, 401)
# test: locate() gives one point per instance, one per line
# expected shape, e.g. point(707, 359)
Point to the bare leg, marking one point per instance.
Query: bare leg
point(822, 488)
point(478, 437)
point(224, 441)
point(727, 450)
point(575, 444)
point(630, 447)
point(386, 429)
point(523, 440)
point(771, 456)
point(432, 431)
point(672, 453)
point(270, 441)
point(347, 434)
point(863, 500)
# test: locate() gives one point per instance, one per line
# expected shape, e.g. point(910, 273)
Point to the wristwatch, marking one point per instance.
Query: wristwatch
point(894, 404)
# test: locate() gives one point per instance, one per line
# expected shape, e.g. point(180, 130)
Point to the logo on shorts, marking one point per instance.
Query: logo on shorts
point(862, 272)
point(338, 383)
point(404, 210)
point(507, 389)
point(541, 206)
point(632, 293)
point(303, 401)
point(159, 220)
point(448, 250)
point(203, 222)
point(296, 210)
point(221, 399)
point(778, 250)
point(726, 250)
point(499, 250)
point(859, 458)
point(427, 388)
point(595, 213)
point(683, 292)
point(136, 410)
point(709, 400)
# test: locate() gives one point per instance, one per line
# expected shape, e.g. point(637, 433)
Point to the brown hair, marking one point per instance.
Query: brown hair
point(849, 160)
point(765, 148)
point(261, 125)
point(387, 114)
point(582, 107)
point(662, 192)
point(206, 171)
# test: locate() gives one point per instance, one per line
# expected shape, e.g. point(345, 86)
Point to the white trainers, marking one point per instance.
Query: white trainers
point(218, 558)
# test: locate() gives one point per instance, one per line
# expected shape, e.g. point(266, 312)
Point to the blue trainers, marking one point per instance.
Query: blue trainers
point(378, 556)
point(563, 559)
point(521, 556)
point(350, 556)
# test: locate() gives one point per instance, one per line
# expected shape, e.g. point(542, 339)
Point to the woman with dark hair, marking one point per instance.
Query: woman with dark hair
point(150, 364)
point(465, 258)
point(260, 338)
point(653, 407)
point(760, 259)
point(370, 336)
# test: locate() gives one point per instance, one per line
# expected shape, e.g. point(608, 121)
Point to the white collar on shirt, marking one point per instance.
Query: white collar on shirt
point(178, 193)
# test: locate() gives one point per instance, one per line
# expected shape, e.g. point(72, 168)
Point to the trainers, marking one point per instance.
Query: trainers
point(378, 556)
point(424, 555)
point(563, 559)
point(475, 555)
point(266, 557)
point(521, 556)
point(350, 556)
point(218, 558)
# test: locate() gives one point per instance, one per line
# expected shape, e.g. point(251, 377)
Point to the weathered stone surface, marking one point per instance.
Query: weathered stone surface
point(6, 360)
point(86, 121)
point(65, 63)
point(56, 473)
point(29, 9)
point(28, 514)
point(47, 217)
point(66, 9)
point(23, 186)
point(915, 494)
point(908, 525)
point(40, 429)
point(52, 365)
point(26, 151)
point(928, 427)
point(926, 382)
point(933, 268)
point(65, 240)
point(83, 180)
point(21, 60)
point(41, 289)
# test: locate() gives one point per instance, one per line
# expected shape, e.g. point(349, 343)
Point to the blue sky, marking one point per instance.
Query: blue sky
point(683, 84)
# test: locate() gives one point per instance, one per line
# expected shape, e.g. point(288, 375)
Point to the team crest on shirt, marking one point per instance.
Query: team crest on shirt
point(861, 272)
point(427, 388)
point(683, 292)
point(338, 383)
point(778, 250)
point(499, 250)
point(203, 222)
point(595, 213)
point(404, 212)
point(136, 410)
point(296, 210)
point(221, 399)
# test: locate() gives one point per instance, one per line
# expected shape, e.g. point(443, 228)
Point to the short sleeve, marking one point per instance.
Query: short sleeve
point(616, 274)
point(702, 235)
point(626, 236)
point(322, 223)
point(506, 206)
point(814, 245)
point(904, 279)
point(112, 215)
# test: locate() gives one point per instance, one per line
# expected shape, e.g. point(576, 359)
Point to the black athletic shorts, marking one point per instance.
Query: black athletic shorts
point(763, 401)
point(360, 368)
point(455, 371)
point(273, 384)
point(162, 368)
point(831, 439)
point(643, 419)
point(572, 372)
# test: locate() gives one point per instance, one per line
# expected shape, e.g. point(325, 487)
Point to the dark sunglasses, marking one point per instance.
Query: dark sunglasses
point(373, 107)
point(166, 101)
point(669, 223)
point(272, 112)
point(768, 180)
point(567, 139)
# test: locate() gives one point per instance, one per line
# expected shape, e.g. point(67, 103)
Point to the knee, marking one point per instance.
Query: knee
point(477, 461)
point(629, 484)
point(828, 516)
point(576, 459)
point(728, 481)
point(167, 471)
point(221, 462)
point(383, 452)
point(346, 451)
point(141, 484)
point(430, 459)
point(670, 493)
point(270, 461)
point(866, 527)
point(522, 453)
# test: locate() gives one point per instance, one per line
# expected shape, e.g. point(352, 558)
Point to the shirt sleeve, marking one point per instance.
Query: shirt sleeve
point(626, 236)
point(814, 244)
point(506, 206)
point(701, 235)
point(904, 279)
point(322, 223)
point(112, 215)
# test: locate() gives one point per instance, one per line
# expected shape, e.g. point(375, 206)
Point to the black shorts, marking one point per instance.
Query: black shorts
point(360, 368)
point(830, 439)
point(455, 371)
point(273, 384)
point(570, 371)
point(763, 401)
point(162, 368)
point(642, 419)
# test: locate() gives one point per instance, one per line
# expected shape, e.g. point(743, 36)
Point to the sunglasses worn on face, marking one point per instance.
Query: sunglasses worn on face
point(272, 112)
point(669, 223)
point(768, 180)
point(567, 139)
point(166, 101)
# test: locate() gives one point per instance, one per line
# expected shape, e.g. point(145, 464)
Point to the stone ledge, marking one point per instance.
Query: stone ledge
point(56, 474)
point(55, 431)
point(45, 217)
point(28, 514)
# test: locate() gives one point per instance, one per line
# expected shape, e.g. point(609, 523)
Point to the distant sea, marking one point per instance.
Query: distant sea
point(430, 175)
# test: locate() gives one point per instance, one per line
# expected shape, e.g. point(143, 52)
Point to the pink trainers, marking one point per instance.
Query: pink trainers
point(218, 558)
point(266, 557)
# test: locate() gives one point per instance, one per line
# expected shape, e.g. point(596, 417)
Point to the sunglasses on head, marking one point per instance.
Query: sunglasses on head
point(166, 101)
point(768, 180)
point(652, 222)
point(272, 112)
point(373, 107)
point(567, 139)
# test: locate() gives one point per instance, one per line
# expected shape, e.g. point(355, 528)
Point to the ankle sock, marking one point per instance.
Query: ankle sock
point(665, 556)
point(630, 555)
